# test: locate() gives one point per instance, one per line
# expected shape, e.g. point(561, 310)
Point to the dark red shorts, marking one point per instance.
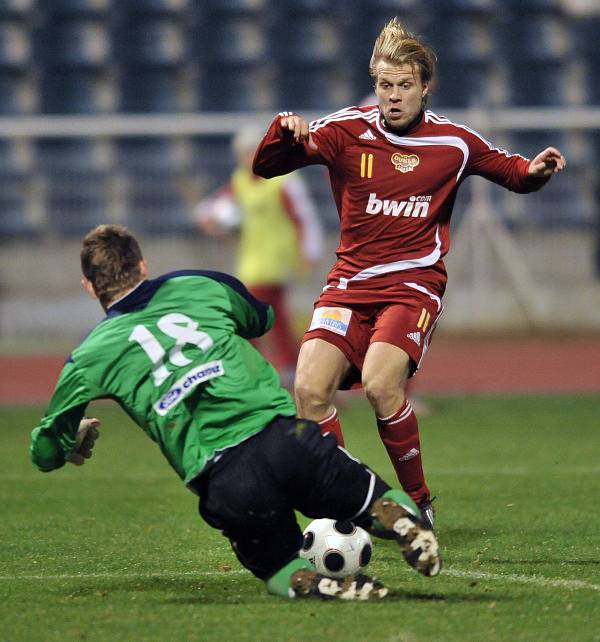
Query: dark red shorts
point(407, 323)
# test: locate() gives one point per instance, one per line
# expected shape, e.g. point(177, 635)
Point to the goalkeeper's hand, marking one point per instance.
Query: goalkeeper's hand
point(87, 433)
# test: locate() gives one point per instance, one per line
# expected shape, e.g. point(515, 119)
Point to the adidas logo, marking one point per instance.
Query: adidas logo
point(411, 454)
point(415, 336)
point(368, 135)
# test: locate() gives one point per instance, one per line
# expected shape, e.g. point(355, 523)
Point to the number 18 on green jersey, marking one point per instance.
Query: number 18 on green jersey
point(174, 353)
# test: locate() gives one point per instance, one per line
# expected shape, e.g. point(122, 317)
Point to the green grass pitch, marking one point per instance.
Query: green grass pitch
point(115, 550)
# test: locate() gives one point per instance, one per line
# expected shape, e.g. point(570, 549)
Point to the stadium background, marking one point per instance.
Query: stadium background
point(123, 111)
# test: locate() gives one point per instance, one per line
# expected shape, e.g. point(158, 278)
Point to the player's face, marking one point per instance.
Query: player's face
point(400, 93)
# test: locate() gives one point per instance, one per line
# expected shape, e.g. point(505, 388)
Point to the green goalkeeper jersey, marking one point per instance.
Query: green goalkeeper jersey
point(174, 354)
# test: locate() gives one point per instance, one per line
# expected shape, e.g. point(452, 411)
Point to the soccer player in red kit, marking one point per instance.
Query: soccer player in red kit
point(395, 169)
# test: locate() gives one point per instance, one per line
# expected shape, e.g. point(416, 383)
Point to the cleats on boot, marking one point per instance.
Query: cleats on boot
point(307, 583)
point(417, 541)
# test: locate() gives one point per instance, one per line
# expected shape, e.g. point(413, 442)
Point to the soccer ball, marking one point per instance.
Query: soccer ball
point(336, 548)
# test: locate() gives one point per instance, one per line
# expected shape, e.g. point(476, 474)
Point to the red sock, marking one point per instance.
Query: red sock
point(332, 424)
point(400, 435)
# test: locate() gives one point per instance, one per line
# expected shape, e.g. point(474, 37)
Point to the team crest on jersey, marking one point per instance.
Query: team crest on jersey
point(405, 162)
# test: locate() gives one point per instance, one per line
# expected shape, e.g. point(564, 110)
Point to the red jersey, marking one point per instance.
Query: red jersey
point(394, 194)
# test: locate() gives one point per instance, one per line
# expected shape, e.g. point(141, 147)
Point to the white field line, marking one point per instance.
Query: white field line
point(545, 582)
point(511, 578)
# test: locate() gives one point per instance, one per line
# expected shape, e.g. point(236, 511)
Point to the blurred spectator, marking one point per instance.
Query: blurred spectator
point(280, 239)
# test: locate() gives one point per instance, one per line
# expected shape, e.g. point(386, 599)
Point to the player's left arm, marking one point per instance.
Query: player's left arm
point(64, 435)
point(513, 171)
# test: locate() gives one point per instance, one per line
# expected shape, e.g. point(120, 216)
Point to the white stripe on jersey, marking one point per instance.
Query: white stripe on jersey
point(335, 115)
point(432, 296)
point(421, 141)
point(350, 113)
point(347, 110)
point(442, 120)
point(396, 266)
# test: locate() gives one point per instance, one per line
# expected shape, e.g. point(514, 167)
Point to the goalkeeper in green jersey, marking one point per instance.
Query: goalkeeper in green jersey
point(174, 353)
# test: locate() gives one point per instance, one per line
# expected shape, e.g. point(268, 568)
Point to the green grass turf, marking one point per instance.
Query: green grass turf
point(115, 550)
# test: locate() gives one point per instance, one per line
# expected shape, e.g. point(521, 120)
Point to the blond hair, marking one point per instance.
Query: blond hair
point(110, 260)
point(398, 46)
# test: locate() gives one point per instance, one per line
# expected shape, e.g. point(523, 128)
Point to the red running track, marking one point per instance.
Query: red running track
point(452, 366)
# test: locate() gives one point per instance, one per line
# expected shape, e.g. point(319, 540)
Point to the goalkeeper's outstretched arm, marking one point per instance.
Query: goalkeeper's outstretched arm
point(58, 434)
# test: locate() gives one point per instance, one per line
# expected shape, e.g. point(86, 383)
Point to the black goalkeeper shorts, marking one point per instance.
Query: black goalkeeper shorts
point(251, 492)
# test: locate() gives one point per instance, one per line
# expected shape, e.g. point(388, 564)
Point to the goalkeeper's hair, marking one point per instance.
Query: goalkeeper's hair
point(396, 45)
point(110, 260)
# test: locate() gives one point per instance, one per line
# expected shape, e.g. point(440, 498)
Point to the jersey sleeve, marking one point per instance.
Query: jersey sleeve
point(54, 438)
point(278, 154)
point(501, 167)
point(252, 317)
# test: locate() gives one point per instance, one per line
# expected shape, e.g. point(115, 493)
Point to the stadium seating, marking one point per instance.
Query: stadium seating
point(17, 95)
point(584, 34)
point(16, 159)
point(309, 73)
point(464, 48)
point(234, 74)
point(154, 53)
point(73, 75)
point(562, 203)
point(17, 92)
point(75, 173)
point(15, 8)
point(156, 7)
point(15, 48)
point(153, 173)
point(212, 161)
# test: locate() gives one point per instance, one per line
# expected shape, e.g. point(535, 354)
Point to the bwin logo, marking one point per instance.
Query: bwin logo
point(415, 206)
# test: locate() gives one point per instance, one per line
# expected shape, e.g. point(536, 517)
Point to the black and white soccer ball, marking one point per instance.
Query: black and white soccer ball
point(336, 548)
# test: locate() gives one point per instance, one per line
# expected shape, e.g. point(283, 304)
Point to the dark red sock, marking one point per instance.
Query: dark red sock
point(400, 435)
point(332, 424)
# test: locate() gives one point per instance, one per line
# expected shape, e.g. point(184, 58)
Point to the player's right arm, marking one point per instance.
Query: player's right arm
point(288, 145)
point(54, 440)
